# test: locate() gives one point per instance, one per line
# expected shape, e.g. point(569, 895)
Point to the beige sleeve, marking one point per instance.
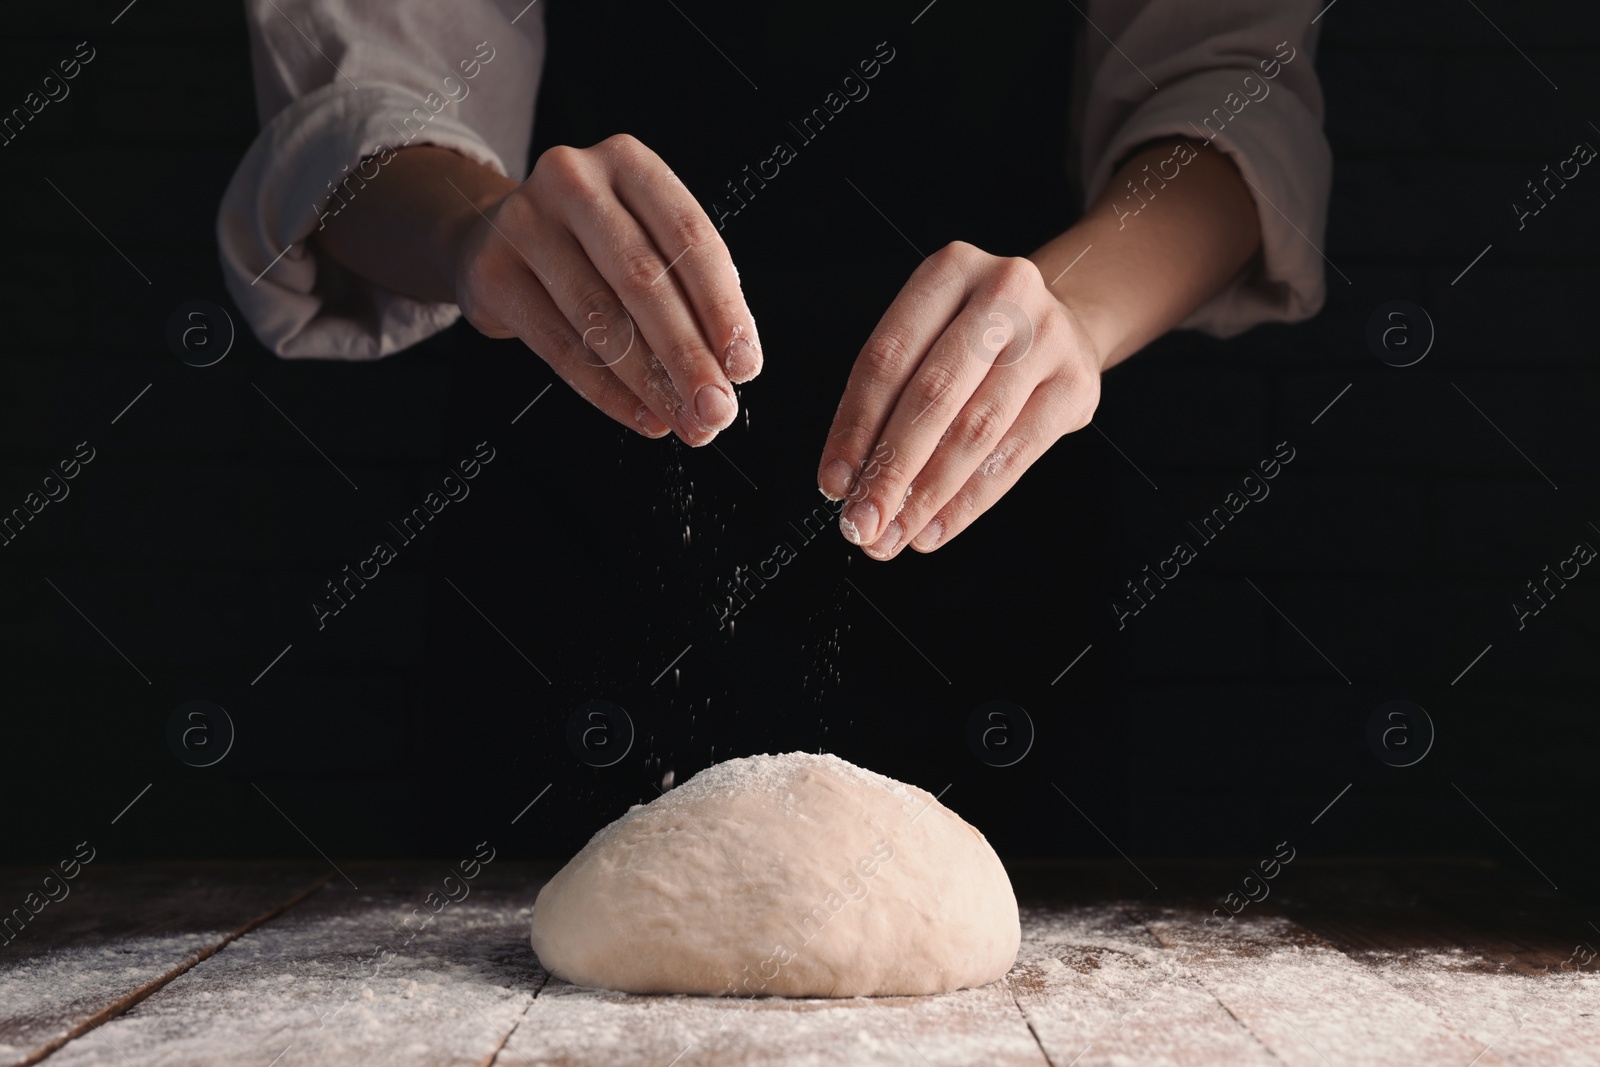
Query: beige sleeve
point(340, 85)
point(1237, 74)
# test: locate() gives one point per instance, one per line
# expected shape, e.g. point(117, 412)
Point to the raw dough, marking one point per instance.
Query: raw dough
point(796, 875)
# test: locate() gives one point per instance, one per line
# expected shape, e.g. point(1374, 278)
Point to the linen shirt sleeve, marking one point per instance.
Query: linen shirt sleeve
point(1237, 74)
point(340, 86)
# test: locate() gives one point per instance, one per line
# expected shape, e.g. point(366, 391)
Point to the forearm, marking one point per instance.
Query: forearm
point(1142, 274)
point(402, 227)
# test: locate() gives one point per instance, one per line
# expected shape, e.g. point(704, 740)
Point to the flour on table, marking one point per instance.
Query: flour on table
point(796, 875)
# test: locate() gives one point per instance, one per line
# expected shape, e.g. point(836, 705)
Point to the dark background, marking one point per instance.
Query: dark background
point(428, 714)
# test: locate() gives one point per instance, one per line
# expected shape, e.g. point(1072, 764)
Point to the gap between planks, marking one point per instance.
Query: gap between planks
point(1037, 1040)
point(494, 1053)
point(1195, 978)
point(130, 999)
point(1426, 1035)
point(1089, 971)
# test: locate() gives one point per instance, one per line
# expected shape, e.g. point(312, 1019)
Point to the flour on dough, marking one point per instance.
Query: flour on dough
point(795, 875)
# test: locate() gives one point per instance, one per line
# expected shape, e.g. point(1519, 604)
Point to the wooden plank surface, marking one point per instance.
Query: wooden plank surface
point(118, 934)
point(1306, 1001)
point(1098, 988)
point(1381, 909)
point(338, 980)
point(1491, 958)
point(1346, 964)
point(572, 1027)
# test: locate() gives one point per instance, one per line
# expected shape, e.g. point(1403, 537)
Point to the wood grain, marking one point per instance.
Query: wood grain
point(1309, 1003)
point(121, 934)
point(1098, 988)
point(1347, 963)
point(569, 1027)
point(339, 980)
point(1489, 954)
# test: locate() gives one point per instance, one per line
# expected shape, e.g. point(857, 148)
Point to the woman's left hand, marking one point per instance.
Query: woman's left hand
point(973, 372)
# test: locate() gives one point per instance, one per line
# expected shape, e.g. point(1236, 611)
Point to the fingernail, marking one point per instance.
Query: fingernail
point(835, 480)
point(929, 536)
point(859, 523)
point(689, 427)
point(742, 360)
point(885, 545)
point(713, 407)
point(648, 423)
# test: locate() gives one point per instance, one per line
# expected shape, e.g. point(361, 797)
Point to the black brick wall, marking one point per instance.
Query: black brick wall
point(1407, 524)
point(1395, 540)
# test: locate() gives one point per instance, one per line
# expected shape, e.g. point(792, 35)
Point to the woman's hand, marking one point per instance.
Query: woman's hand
point(606, 266)
point(973, 372)
point(979, 366)
point(601, 262)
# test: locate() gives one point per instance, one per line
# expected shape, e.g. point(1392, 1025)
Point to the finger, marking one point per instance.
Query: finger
point(637, 272)
point(608, 333)
point(916, 318)
point(533, 316)
point(1051, 411)
point(957, 404)
point(997, 335)
point(968, 439)
point(702, 264)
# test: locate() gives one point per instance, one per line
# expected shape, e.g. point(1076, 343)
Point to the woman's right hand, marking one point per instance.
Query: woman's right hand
point(606, 266)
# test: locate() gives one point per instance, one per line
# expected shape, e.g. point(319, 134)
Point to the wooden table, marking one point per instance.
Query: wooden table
point(280, 965)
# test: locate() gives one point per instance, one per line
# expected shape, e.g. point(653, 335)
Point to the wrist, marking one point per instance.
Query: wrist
point(406, 229)
point(471, 205)
point(452, 230)
point(1078, 267)
point(1100, 329)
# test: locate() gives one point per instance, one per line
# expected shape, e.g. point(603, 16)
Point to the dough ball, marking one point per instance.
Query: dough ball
point(796, 875)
